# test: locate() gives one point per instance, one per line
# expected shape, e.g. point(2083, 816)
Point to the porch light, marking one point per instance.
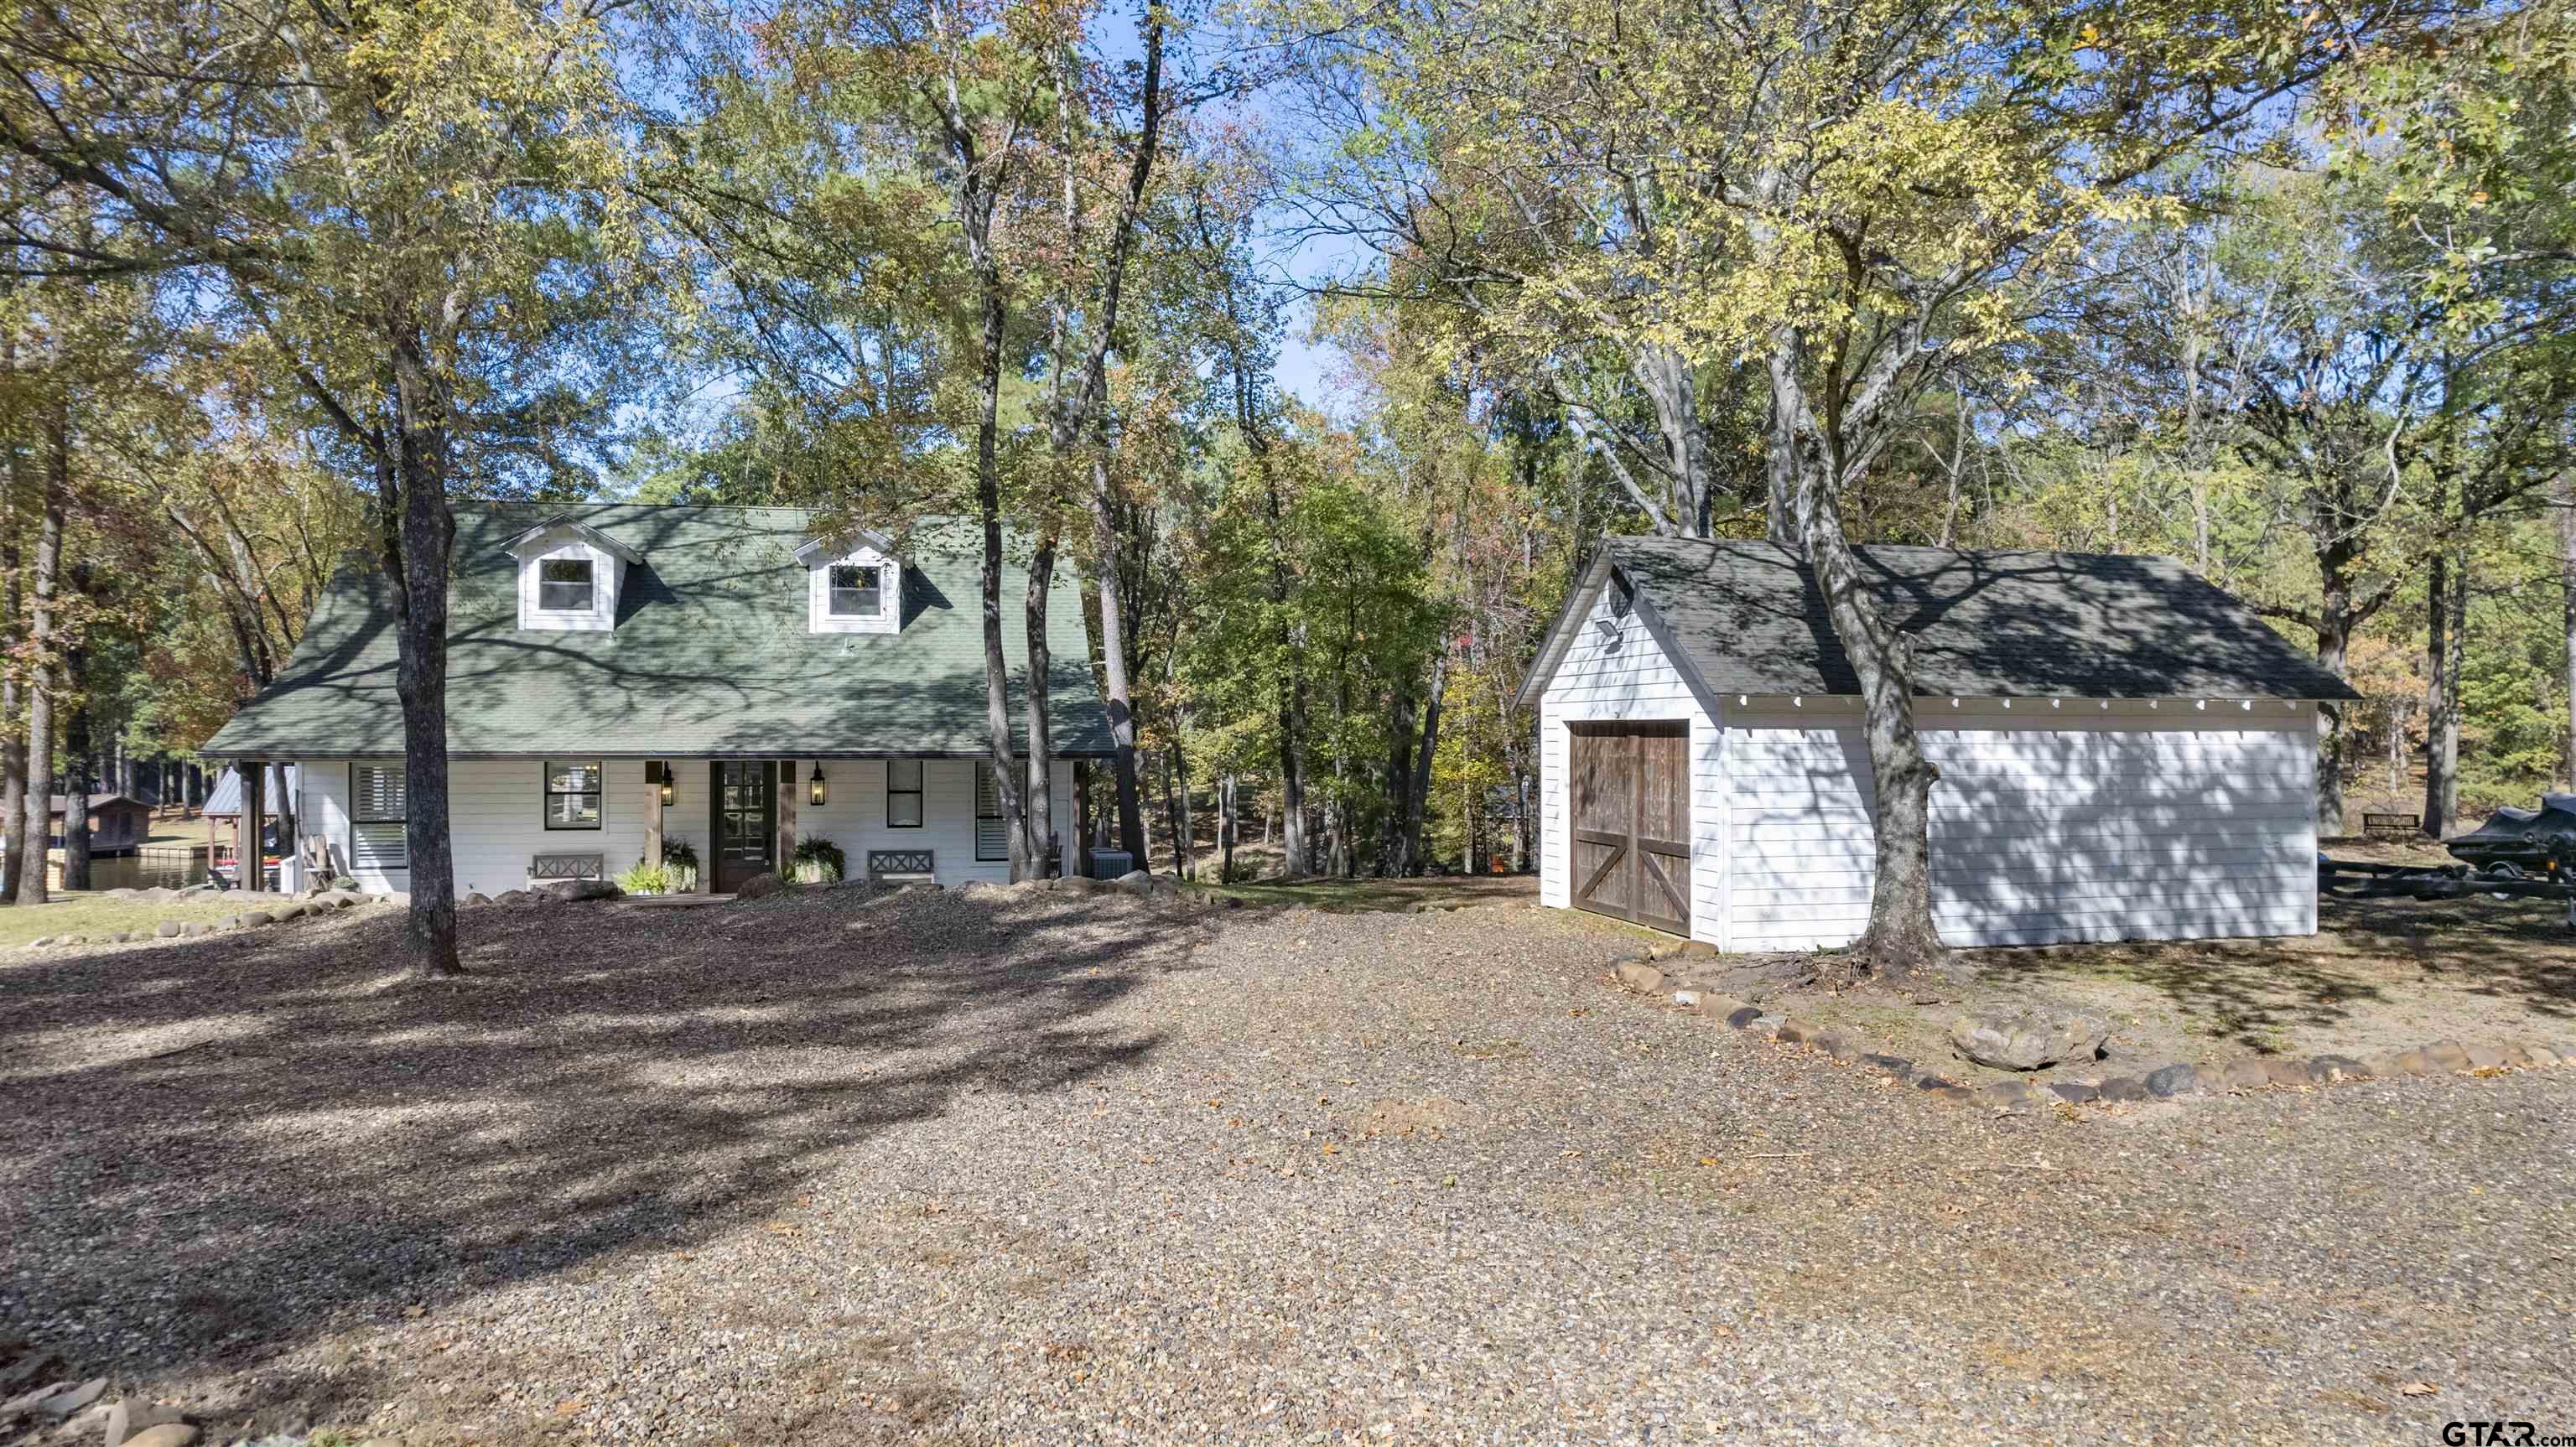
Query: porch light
point(659, 772)
point(814, 786)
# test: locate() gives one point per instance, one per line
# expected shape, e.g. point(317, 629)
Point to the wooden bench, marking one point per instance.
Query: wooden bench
point(902, 866)
point(2392, 826)
point(568, 866)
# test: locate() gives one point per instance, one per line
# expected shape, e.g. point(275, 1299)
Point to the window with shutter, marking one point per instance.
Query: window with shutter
point(376, 816)
point(990, 841)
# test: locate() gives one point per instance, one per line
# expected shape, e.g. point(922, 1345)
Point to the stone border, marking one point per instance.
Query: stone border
point(169, 929)
point(2021, 1096)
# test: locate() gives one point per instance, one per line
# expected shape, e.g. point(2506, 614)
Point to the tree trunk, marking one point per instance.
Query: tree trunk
point(1172, 813)
point(1186, 857)
point(427, 536)
point(41, 665)
point(2445, 644)
point(2567, 592)
point(988, 506)
point(1420, 799)
point(1038, 814)
point(76, 745)
point(2334, 647)
point(1113, 663)
point(250, 827)
point(1393, 861)
point(1225, 826)
point(1900, 937)
point(13, 736)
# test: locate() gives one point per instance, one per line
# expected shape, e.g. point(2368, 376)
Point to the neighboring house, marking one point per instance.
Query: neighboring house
point(2126, 752)
point(118, 823)
point(622, 677)
point(222, 813)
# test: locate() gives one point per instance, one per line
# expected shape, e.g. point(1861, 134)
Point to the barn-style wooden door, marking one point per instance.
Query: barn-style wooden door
point(1630, 804)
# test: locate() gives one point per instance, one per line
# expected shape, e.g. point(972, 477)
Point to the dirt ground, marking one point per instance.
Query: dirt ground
point(2383, 974)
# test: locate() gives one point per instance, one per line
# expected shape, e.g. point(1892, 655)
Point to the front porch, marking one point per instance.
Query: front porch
point(515, 822)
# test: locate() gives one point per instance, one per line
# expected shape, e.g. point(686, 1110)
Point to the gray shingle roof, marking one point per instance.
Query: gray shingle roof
point(710, 655)
point(1751, 619)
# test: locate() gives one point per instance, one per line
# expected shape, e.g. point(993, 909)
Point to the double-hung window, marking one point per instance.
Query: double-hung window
point(564, 585)
point(572, 794)
point(903, 793)
point(990, 842)
point(377, 814)
point(856, 590)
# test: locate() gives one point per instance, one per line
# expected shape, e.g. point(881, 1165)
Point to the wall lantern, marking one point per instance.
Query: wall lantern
point(659, 773)
point(814, 786)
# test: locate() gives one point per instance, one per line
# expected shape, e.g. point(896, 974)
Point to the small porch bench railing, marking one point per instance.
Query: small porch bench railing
point(901, 866)
point(2392, 826)
point(568, 866)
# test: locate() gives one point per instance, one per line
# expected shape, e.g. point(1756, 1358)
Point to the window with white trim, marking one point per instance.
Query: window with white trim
point(856, 591)
point(566, 585)
point(903, 793)
point(378, 816)
point(572, 794)
point(991, 842)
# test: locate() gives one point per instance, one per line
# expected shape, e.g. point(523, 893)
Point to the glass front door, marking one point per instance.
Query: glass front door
point(746, 822)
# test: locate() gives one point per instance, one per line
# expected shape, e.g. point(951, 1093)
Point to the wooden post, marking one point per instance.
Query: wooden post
point(787, 787)
point(653, 815)
point(250, 833)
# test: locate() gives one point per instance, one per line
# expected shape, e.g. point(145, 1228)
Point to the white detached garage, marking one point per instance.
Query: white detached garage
point(2126, 751)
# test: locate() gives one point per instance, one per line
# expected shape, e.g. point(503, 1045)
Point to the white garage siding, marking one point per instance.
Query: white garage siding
point(1613, 670)
point(2130, 822)
point(495, 809)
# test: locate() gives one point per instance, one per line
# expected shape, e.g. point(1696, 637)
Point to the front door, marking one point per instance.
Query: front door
point(1631, 814)
point(746, 822)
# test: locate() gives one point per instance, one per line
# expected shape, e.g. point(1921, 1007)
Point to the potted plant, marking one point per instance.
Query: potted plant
point(818, 861)
point(679, 866)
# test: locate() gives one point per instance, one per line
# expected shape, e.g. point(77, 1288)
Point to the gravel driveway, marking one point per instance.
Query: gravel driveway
point(1003, 1166)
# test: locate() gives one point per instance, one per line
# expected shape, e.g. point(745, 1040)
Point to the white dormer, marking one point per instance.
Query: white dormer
point(569, 576)
point(852, 585)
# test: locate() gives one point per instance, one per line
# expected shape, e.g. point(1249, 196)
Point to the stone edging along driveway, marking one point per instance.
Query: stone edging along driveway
point(2021, 1096)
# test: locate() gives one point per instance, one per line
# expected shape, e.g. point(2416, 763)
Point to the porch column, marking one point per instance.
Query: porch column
point(653, 816)
point(250, 827)
point(787, 787)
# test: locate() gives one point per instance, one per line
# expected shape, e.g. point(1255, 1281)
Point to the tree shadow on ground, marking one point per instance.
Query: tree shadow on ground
point(217, 1149)
point(2247, 992)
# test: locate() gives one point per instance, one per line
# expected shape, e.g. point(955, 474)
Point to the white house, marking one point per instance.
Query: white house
point(625, 681)
point(2126, 751)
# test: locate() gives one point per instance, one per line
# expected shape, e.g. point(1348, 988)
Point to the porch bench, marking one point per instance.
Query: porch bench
point(567, 866)
point(902, 866)
point(2392, 826)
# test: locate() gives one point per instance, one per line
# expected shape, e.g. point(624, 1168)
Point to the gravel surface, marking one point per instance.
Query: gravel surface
point(1002, 1166)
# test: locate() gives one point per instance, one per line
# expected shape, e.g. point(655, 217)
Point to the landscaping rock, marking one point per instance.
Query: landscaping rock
point(1837, 1046)
point(2327, 1069)
point(2411, 1062)
point(132, 1416)
point(123, 893)
point(257, 917)
point(1133, 876)
point(72, 1399)
point(121, 937)
point(2287, 1073)
point(2447, 1055)
point(1640, 976)
point(2173, 1080)
point(1928, 1081)
point(168, 1434)
point(1743, 1018)
point(2010, 1095)
point(2485, 1057)
point(1766, 1024)
point(2028, 1039)
point(194, 928)
point(2074, 1092)
point(230, 921)
point(1079, 884)
point(1896, 1065)
point(2544, 1058)
point(513, 896)
point(1699, 949)
point(2125, 1087)
point(167, 929)
point(476, 898)
point(759, 886)
point(39, 942)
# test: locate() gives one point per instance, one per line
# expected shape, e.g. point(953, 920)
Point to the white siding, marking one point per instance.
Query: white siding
point(495, 816)
point(2047, 824)
point(1613, 670)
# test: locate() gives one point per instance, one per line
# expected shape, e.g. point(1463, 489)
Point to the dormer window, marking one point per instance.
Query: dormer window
point(570, 574)
point(852, 585)
point(856, 591)
point(565, 585)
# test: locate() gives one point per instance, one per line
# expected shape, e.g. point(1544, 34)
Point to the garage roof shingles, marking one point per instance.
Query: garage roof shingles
point(1751, 620)
point(710, 655)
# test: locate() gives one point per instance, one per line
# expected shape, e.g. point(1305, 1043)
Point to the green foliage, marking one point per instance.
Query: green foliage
point(818, 861)
point(680, 862)
point(647, 879)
